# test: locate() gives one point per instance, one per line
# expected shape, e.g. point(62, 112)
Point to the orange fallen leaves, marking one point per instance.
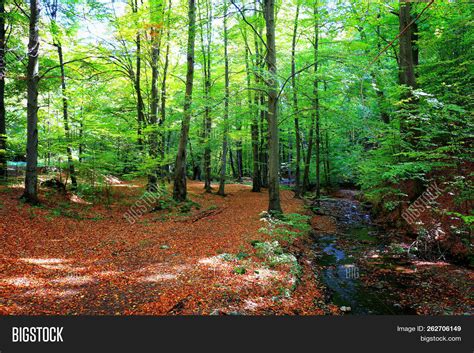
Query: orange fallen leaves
point(89, 260)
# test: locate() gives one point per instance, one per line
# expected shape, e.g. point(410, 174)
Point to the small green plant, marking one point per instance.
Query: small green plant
point(240, 270)
point(286, 227)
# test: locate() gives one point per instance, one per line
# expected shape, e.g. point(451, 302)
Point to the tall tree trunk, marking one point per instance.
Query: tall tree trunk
point(67, 131)
point(156, 9)
point(408, 52)
point(253, 128)
point(309, 153)
point(206, 28)
point(31, 178)
point(273, 142)
point(295, 103)
point(327, 161)
point(136, 77)
point(263, 149)
point(165, 168)
point(179, 187)
point(232, 162)
point(316, 101)
point(226, 106)
point(3, 127)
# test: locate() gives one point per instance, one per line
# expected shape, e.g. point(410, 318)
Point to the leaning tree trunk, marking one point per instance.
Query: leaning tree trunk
point(226, 107)
point(3, 130)
point(179, 187)
point(31, 178)
point(273, 143)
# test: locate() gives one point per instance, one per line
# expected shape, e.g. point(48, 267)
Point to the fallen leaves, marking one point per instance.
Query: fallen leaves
point(87, 259)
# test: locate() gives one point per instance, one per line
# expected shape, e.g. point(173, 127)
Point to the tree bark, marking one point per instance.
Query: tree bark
point(165, 168)
point(136, 77)
point(273, 142)
point(295, 103)
point(31, 178)
point(316, 101)
point(226, 106)
point(253, 128)
point(72, 171)
point(309, 153)
point(179, 187)
point(206, 27)
point(406, 55)
point(156, 9)
point(3, 127)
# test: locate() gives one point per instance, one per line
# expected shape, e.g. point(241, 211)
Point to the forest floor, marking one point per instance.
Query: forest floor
point(70, 257)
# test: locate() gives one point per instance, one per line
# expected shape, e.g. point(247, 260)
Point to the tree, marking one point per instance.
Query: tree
point(179, 187)
point(52, 9)
point(273, 142)
point(156, 32)
point(226, 105)
point(295, 102)
point(31, 178)
point(206, 42)
point(3, 130)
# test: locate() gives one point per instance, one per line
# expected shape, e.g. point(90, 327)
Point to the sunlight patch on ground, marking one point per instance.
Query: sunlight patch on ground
point(76, 199)
point(253, 304)
point(74, 280)
point(159, 277)
point(108, 273)
point(215, 262)
point(44, 261)
point(23, 282)
point(263, 275)
point(430, 263)
point(50, 292)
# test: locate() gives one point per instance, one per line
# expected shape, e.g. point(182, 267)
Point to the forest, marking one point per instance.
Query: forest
point(250, 157)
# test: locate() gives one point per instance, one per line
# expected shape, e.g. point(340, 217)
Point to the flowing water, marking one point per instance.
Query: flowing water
point(338, 254)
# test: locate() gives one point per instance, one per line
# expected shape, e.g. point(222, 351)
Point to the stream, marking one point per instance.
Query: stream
point(338, 254)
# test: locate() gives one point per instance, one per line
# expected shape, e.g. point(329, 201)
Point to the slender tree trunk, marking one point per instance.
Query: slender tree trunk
point(206, 40)
point(67, 131)
point(307, 162)
point(273, 142)
point(165, 168)
point(253, 128)
point(31, 178)
point(136, 78)
point(179, 187)
point(156, 9)
point(232, 162)
point(295, 103)
point(3, 127)
point(316, 101)
point(263, 149)
point(327, 165)
point(226, 107)
point(81, 142)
